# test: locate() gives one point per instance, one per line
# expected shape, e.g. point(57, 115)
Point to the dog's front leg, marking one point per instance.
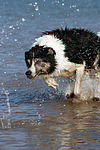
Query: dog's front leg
point(79, 74)
point(51, 82)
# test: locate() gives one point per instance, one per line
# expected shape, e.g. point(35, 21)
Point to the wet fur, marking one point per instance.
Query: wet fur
point(63, 53)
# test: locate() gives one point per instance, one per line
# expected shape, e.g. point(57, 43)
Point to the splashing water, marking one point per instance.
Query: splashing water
point(5, 120)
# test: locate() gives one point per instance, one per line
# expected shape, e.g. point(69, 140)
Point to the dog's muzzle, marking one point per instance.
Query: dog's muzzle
point(28, 74)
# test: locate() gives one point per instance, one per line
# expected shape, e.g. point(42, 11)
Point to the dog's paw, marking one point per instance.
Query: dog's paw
point(51, 82)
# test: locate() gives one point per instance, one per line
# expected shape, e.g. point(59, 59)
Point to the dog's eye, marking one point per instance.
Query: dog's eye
point(37, 61)
point(51, 51)
point(28, 63)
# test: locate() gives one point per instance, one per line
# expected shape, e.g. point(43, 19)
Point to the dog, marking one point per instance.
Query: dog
point(63, 53)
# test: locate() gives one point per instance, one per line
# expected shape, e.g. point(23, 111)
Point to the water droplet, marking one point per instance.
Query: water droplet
point(40, 105)
point(30, 4)
point(77, 115)
point(73, 6)
point(23, 19)
point(3, 31)
point(36, 8)
point(77, 10)
point(23, 123)
point(16, 40)
point(2, 83)
point(10, 27)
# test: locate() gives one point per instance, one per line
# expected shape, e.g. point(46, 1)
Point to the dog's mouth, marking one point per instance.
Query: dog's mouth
point(30, 76)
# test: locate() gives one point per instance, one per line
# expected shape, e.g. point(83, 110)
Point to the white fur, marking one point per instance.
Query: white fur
point(58, 46)
point(50, 41)
point(98, 34)
point(33, 69)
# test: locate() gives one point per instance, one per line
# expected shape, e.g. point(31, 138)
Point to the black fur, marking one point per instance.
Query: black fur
point(43, 54)
point(81, 45)
point(28, 56)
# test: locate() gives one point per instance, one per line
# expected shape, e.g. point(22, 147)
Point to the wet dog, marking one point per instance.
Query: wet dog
point(63, 53)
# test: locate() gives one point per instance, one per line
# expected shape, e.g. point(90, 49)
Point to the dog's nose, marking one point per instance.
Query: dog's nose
point(28, 73)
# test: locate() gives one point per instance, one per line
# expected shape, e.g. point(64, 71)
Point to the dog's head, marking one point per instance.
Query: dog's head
point(40, 61)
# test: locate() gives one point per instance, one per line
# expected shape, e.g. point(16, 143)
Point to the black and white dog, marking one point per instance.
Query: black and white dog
point(63, 53)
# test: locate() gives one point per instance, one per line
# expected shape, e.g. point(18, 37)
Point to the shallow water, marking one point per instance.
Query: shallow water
point(32, 115)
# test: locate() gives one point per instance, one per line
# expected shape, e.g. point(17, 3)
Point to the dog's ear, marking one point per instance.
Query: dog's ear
point(51, 51)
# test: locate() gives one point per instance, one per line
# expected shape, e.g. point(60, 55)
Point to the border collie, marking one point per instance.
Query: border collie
point(63, 53)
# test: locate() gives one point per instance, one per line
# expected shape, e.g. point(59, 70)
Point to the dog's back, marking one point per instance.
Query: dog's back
point(81, 45)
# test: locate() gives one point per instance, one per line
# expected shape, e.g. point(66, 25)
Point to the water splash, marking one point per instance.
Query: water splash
point(36, 6)
point(6, 119)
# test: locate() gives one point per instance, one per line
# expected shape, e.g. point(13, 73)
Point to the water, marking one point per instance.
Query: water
point(32, 115)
